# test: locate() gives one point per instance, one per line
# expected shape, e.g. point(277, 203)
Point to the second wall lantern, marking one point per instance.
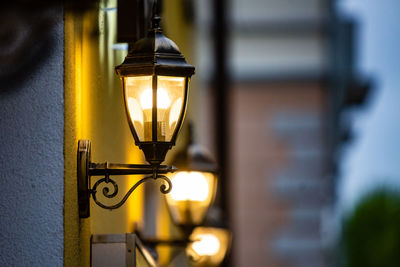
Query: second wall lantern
point(193, 185)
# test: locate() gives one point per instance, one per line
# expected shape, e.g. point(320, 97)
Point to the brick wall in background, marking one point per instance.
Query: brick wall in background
point(279, 187)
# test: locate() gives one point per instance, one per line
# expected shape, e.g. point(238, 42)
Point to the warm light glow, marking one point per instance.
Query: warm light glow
point(191, 195)
point(175, 110)
point(207, 245)
point(170, 104)
point(189, 186)
point(163, 100)
point(143, 113)
point(136, 111)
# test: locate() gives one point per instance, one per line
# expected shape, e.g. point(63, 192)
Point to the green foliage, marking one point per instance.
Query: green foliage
point(371, 235)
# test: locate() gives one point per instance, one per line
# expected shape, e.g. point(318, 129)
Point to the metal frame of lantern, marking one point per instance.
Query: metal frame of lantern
point(154, 56)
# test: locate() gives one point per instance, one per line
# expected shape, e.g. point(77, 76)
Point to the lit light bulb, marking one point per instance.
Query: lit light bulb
point(206, 245)
point(191, 186)
point(146, 103)
point(146, 99)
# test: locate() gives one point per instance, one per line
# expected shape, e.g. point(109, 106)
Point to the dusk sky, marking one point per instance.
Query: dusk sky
point(372, 159)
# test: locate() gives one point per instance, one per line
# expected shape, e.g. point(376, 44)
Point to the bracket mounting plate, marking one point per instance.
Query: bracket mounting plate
point(83, 162)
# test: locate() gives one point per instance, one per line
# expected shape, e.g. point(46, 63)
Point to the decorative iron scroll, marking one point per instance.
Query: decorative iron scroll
point(106, 190)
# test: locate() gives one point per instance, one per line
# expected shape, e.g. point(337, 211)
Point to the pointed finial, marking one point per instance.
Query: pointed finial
point(156, 19)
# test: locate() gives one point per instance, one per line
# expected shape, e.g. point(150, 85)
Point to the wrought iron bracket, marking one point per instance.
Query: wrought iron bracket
point(86, 169)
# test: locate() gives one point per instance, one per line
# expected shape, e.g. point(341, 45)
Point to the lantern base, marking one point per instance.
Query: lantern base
point(83, 164)
point(155, 152)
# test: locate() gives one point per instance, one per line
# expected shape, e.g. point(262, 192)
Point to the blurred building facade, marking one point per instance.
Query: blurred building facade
point(291, 65)
point(282, 190)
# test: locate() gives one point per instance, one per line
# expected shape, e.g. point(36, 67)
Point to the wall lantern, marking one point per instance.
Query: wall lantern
point(194, 186)
point(206, 246)
point(155, 79)
point(209, 246)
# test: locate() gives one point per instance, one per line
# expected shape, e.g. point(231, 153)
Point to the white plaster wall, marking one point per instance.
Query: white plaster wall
point(32, 164)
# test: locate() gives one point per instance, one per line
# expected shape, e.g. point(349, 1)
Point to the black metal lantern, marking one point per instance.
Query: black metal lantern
point(155, 79)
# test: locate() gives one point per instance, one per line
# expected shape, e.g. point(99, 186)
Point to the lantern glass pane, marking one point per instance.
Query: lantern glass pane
point(170, 101)
point(191, 195)
point(138, 97)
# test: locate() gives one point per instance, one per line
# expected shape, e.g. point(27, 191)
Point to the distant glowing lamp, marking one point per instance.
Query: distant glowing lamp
point(208, 246)
point(191, 195)
point(193, 186)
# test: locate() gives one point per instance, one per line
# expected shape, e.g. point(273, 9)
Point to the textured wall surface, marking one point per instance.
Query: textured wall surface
point(94, 110)
point(31, 163)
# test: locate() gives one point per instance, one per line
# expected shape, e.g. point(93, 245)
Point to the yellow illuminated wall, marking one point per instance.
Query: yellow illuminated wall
point(94, 110)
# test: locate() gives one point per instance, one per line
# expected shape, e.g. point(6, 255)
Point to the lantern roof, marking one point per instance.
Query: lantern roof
point(193, 157)
point(155, 54)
